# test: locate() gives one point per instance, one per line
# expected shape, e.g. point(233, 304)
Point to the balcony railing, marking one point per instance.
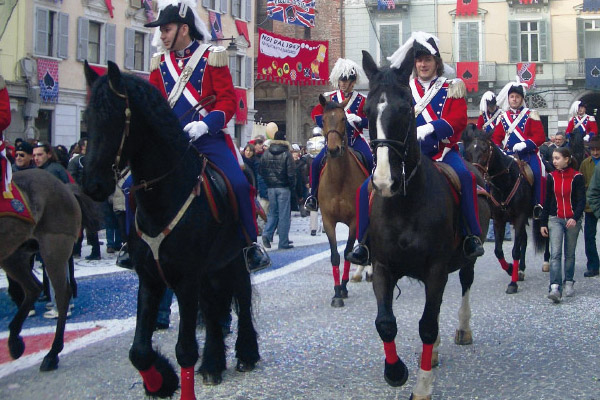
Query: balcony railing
point(575, 69)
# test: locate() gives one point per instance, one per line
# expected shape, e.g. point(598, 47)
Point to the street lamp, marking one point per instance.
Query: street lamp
point(232, 49)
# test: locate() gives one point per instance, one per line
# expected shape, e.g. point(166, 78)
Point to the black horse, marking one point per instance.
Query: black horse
point(577, 146)
point(199, 257)
point(510, 199)
point(415, 223)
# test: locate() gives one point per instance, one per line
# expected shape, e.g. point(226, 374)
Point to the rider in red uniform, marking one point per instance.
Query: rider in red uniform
point(5, 169)
point(581, 123)
point(488, 118)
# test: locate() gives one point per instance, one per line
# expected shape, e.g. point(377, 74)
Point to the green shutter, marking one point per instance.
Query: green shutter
point(63, 35)
point(513, 41)
point(111, 42)
point(544, 48)
point(41, 32)
point(580, 38)
point(463, 50)
point(473, 38)
point(129, 48)
point(248, 10)
point(83, 32)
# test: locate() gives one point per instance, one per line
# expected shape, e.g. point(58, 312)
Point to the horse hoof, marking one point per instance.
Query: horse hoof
point(512, 288)
point(395, 374)
point(521, 276)
point(16, 346)
point(356, 278)
point(244, 366)
point(337, 302)
point(369, 278)
point(416, 397)
point(546, 267)
point(49, 364)
point(211, 379)
point(344, 293)
point(463, 338)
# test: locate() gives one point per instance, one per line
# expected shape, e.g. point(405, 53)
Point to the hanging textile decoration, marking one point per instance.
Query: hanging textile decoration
point(109, 7)
point(242, 28)
point(241, 110)
point(468, 71)
point(528, 1)
point(466, 7)
point(148, 10)
point(216, 30)
point(297, 12)
point(48, 79)
point(591, 5)
point(592, 73)
point(526, 73)
point(292, 61)
point(386, 4)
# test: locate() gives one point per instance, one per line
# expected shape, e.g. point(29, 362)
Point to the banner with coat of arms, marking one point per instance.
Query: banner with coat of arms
point(592, 73)
point(468, 71)
point(526, 73)
point(292, 61)
point(47, 71)
point(296, 12)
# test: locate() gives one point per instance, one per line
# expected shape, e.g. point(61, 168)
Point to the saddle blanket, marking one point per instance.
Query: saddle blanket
point(15, 205)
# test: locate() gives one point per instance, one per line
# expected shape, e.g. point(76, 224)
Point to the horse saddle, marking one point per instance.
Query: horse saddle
point(526, 171)
point(450, 175)
point(218, 190)
point(14, 204)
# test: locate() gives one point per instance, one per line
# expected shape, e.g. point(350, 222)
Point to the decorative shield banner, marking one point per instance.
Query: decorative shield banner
point(292, 61)
point(466, 7)
point(591, 5)
point(241, 109)
point(526, 73)
point(215, 25)
point(48, 79)
point(386, 4)
point(148, 10)
point(469, 73)
point(592, 73)
point(297, 12)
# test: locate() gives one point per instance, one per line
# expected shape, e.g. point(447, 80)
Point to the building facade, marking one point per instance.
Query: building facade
point(45, 42)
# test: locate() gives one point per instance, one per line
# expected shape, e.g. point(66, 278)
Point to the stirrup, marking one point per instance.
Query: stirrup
point(265, 260)
point(359, 261)
point(311, 203)
point(537, 211)
point(473, 253)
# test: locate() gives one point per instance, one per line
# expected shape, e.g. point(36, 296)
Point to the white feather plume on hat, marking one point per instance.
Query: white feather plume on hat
point(344, 68)
point(487, 96)
point(574, 108)
point(193, 5)
point(502, 98)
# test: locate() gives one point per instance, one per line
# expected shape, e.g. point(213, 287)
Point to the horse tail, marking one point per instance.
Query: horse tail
point(91, 211)
point(539, 242)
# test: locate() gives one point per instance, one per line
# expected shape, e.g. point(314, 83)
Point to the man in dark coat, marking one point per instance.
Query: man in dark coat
point(278, 171)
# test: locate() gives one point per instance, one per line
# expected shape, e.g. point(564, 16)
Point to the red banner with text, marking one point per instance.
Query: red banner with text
point(292, 61)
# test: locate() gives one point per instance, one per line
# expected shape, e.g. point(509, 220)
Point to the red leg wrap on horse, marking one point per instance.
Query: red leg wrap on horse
point(426, 357)
point(346, 274)
point(391, 357)
point(503, 264)
point(187, 384)
point(152, 379)
point(515, 271)
point(336, 274)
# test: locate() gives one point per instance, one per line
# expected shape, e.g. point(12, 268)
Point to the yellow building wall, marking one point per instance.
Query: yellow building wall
point(564, 29)
point(12, 43)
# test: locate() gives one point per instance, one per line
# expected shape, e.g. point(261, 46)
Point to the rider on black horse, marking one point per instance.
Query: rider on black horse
point(345, 74)
point(5, 170)
point(441, 114)
point(187, 71)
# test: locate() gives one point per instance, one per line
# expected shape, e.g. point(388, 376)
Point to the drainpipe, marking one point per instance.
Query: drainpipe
point(343, 50)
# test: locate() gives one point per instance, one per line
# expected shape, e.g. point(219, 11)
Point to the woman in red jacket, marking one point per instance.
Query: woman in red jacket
point(561, 220)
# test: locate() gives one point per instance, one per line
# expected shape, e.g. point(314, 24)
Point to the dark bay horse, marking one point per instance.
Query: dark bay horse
point(340, 179)
point(199, 257)
point(56, 209)
point(510, 200)
point(415, 223)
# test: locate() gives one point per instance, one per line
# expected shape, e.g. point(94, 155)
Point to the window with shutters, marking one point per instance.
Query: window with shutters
point(530, 42)
point(240, 67)
point(138, 51)
point(211, 4)
point(389, 41)
point(591, 38)
point(468, 41)
point(51, 33)
point(93, 49)
point(236, 8)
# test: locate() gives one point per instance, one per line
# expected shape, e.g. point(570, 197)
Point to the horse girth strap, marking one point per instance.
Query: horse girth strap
point(154, 242)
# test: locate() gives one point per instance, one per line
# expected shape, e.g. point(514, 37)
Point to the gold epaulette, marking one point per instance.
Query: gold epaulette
point(456, 89)
point(217, 56)
point(2, 82)
point(533, 114)
point(155, 61)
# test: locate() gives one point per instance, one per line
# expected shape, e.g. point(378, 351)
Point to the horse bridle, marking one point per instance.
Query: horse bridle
point(394, 144)
point(340, 134)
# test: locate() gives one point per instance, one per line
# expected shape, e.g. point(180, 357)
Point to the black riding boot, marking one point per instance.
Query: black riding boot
point(472, 247)
point(359, 255)
point(311, 203)
point(256, 258)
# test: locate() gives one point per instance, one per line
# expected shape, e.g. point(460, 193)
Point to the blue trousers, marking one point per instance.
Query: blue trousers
point(538, 184)
point(359, 145)
point(589, 234)
point(279, 215)
point(217, 151)
point(468, 199)
point(561, 237)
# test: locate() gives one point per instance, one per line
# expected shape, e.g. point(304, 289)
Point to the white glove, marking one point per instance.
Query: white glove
point(196, 129)
point(519, 146)
point(423, 131)
point(353, 119)
point(586, 138)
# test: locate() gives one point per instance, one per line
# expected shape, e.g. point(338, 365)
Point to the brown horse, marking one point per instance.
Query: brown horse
point(55, 208)
point(340, 179)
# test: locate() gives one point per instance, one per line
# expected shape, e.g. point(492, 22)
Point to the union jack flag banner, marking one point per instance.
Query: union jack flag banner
point(297, 12)
point(385, 4)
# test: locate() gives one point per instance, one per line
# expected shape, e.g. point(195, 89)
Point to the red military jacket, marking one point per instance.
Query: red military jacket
point(529, 130)
point(586, 125)
point(483, 119)
point(355, 106)
point(4, 110)
point(211, 76)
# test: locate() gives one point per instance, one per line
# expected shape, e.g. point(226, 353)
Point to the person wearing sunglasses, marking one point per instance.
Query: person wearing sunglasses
point(23, 157)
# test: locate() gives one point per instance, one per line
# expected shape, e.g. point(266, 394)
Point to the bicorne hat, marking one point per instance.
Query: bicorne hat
point(179, 12)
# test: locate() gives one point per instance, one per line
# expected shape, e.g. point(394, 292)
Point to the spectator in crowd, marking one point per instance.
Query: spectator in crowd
point(300, 191)
point(23, 157)
point(561, 220)
point(590, 221)
point(277, 169)
point(62, 155)
point(546, 150)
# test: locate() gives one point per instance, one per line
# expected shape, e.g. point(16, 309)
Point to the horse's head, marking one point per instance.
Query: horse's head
point(478, 147)
point(391, 125)
point(334, 126)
